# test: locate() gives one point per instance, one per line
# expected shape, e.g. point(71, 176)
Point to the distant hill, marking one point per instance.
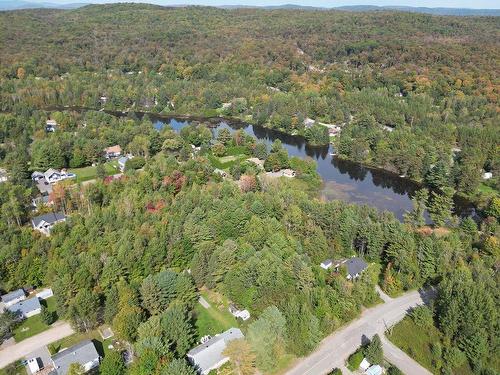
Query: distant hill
point(436, 11)
point(21, 4)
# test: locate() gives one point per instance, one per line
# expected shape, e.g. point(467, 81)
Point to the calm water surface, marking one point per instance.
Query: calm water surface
point(344, 180)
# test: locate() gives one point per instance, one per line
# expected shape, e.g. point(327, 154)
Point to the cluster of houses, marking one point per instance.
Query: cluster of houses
point(115, 152)
point(22, 307)
point(44, 182)
point(355, 266)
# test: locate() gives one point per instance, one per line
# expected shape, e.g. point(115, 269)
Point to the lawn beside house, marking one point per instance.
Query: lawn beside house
point(90, 173)
point(100, 344)
point(34, 325)
point(216, 318)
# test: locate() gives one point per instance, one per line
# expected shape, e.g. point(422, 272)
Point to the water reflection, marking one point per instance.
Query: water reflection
point(343, 179)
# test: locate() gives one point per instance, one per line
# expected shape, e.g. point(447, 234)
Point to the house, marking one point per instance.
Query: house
point(44, 223)
point(26, 308)
point(34, 365)
point(282, 173)
point(237, 313)
point(3, 175)
point(45, 293)
point(209, 355)
point(122, 162)
point(326, 264)
point(50, 126)
point(112, 152)
point(355, 267)
point(83, 353)
point(309, 122)
point(52, 175)
point(13, 297)
point(487, 175)
point(364, 365)
point(374, 370)
point(36, 176)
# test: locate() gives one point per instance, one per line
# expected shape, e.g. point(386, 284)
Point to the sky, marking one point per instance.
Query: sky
point(493, 4)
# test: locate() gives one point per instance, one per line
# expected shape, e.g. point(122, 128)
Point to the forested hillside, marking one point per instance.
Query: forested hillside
point(190, 214)
point(432, 79)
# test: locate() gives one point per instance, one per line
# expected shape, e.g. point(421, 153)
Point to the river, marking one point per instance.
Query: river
point(344, 180)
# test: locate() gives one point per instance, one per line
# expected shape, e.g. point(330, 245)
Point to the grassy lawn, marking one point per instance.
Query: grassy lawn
point(216, 318)
point(416, 341)
point(90, 173)
point(485, 189)
point(100, 344)
point(34, 325)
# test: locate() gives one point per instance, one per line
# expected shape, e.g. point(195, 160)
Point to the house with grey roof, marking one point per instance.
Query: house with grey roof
point(209, 355)
point(44, 223)
point(355, 267)
point(13, 297)
point(26, 308)
point(83, 353)
point(122, 163)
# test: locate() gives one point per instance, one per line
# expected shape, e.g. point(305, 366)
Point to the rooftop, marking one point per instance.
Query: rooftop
point(50, 218)
point(82, 353)
point(209, 354)
point(355, 266)
point(26, 306)
point(6, 298)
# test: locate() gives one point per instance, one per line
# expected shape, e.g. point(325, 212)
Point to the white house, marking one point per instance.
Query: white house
point(112, 152)
point(364, 365)
point(326, 264)
point(84, 353)
point(51, 176)
point(44, 223)
point(122, 162)
point(237, 313)
point(26, 308)
point(209, 355)
point(13, 297)
point(487, 175)
point(4, 176)
point(374, 370)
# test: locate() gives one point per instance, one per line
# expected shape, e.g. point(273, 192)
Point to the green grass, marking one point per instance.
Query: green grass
point(34, 325)
point(215, 319)
point(101, 345)
point(90, 173)
point(485, 189)
point(416, 341)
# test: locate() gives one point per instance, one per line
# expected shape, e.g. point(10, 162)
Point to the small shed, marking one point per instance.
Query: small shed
point(374, 370)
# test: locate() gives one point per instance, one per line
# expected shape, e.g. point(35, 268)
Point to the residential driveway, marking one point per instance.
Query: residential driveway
point(336, 348)
point(204, 302)
point(15, 352)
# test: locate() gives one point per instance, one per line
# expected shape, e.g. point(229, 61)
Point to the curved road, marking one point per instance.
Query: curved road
point(17, 351)
point(336, 348)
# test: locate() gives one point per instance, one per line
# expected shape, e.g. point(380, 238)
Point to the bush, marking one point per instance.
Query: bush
point(335, 371)
point(393, 370)
point(135, 163)
point(355, 360)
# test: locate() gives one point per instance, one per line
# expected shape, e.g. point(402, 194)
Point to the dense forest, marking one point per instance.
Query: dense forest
point(433, 80)
point(414, 94)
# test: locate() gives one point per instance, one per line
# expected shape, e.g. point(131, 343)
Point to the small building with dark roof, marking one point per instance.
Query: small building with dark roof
point(355, 267)
point(44, 223)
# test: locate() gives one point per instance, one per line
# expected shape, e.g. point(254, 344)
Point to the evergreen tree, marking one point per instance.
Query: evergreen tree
point(373, 352)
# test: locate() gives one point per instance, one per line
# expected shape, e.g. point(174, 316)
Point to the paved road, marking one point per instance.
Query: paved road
point(334, 350)
point(12, 353)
